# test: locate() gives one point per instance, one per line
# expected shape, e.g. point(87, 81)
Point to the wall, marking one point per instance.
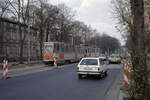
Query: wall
point(10, 41)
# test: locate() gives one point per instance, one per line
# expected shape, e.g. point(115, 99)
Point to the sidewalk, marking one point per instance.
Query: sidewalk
point(15, 69)
point(24, 69)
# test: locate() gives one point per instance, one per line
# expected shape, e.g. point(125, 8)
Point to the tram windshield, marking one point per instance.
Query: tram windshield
point(48, 48)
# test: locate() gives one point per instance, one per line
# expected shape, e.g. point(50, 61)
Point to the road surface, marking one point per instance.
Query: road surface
point(60, 84)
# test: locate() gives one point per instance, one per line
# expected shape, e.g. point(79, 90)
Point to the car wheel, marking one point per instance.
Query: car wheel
point(79, 76)
point(105, 73)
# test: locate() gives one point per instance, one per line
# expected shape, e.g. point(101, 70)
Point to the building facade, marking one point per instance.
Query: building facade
point(10, 41)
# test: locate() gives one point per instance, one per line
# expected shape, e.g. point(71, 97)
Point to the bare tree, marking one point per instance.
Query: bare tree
point(65, 22)
point(20, 9)
point(3, 7)
point(105, 42)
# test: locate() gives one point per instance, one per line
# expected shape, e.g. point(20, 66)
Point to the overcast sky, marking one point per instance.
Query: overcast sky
point(97, 13)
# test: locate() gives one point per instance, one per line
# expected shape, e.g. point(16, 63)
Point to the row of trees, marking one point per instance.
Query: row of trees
point(131, 22)
point(105, 42)
point(53, 23)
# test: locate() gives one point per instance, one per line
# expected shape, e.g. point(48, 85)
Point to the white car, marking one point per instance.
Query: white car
point(91, 66)
point(103, 57)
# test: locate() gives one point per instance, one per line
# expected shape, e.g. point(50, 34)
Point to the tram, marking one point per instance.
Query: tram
point(66, 53)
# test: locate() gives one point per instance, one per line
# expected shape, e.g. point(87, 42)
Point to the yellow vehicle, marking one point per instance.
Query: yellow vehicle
point(114, 59)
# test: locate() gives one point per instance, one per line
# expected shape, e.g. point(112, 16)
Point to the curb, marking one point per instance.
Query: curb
point(35, 69)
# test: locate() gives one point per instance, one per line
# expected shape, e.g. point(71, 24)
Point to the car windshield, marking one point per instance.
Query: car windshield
point(118, 56)
point(112, 56)
point(89, 62)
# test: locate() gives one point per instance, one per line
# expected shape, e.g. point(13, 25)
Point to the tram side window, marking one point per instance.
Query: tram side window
point(56, 47)
point(91, 50)
point(70, 48)
point(76, 49)
point(79, 50)
point(66, 48)
point(88, 50)
point(62, 47)
point(96, 50)
point(82, 51)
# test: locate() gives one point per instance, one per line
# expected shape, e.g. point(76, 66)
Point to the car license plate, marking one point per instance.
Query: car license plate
point(87, 68)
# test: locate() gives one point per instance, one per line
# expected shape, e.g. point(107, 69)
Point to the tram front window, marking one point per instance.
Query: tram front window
point(48, 49)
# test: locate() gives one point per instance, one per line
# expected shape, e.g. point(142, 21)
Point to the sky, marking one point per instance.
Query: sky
point(96, 13)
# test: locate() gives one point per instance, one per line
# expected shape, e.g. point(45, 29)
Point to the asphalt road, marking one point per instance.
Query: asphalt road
point(58, 84)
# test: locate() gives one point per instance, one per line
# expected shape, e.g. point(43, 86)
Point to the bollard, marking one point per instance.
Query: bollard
point(127, 70)
point(6, 73)
point(4, 64)
point(5, 69)
point(55, 64)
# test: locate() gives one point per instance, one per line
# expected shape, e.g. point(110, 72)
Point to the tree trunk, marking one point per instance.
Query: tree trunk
point(21, 52)
point(138, 50)
point(47, 33)
point(41, 43)
point(1, 37)
point(21, 45)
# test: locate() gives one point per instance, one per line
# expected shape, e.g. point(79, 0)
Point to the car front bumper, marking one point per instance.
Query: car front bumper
point(115, 61)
